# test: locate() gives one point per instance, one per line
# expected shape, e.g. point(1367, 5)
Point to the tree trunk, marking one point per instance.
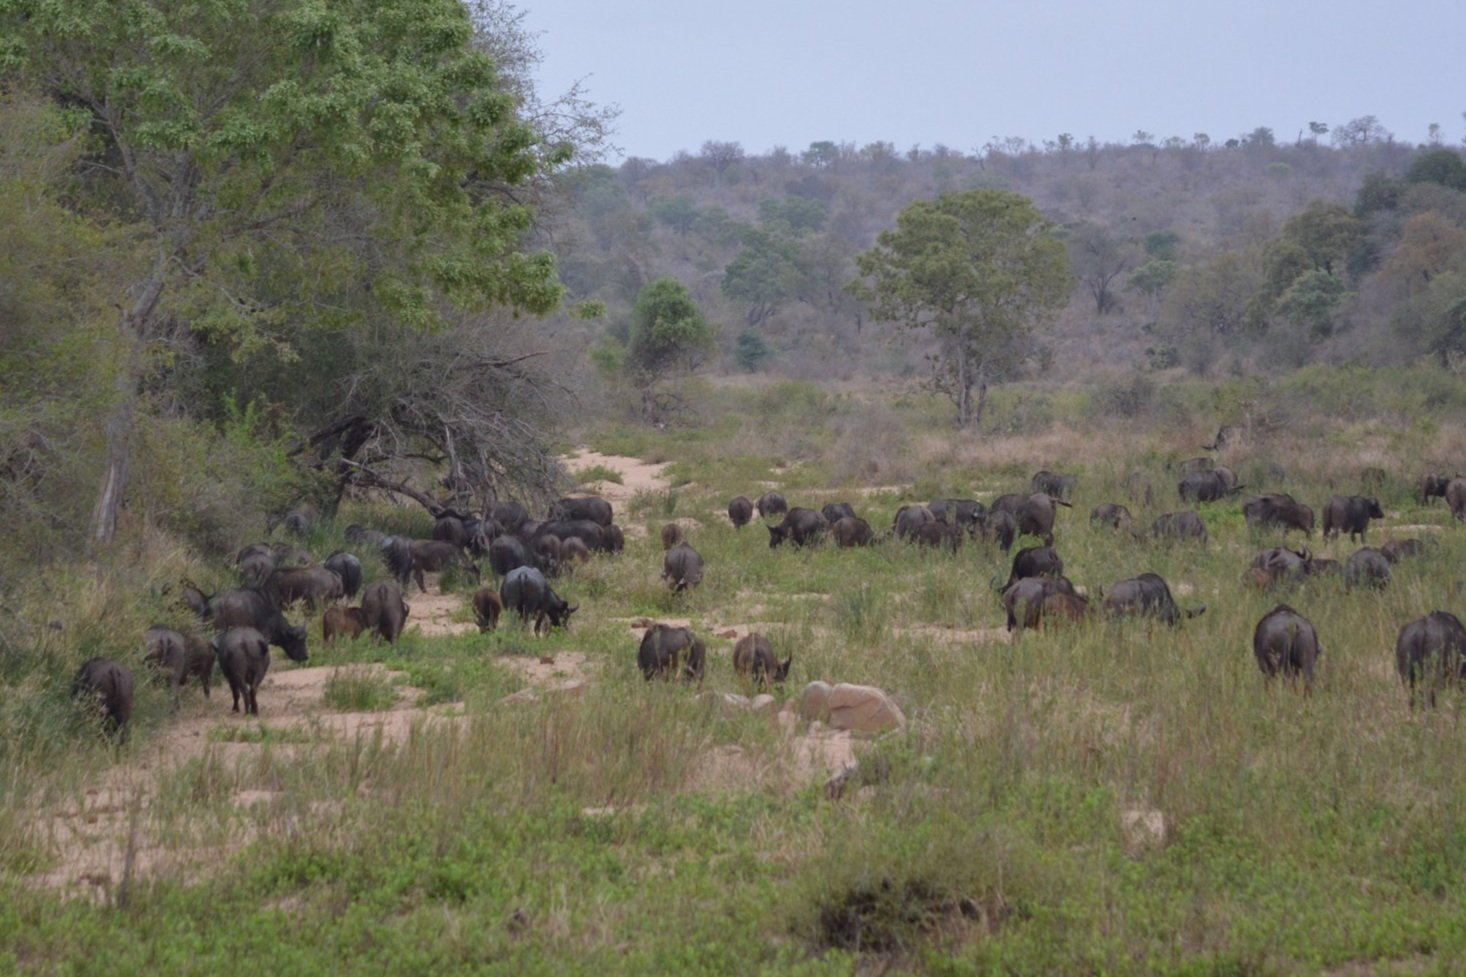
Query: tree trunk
point(982, 401)
point(963, 393)
point(134, 329)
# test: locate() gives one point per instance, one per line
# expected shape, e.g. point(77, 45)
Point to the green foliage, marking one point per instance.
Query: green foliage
point(355, 690)
point(679, 213)
point(750, 351)
point(795, 214)
point(597, 473)
point(1311, 301)
point(668, 331)
point(1442, 166)
point(763, 274)
point(1162, 245)
point(1151, 278)
point(981, 269)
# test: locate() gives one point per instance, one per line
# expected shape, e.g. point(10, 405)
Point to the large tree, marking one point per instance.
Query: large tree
point(980, 270)
point(290, 166)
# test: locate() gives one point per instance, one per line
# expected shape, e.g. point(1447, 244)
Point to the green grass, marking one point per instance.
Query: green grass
point(582, 833)
point(596, 473)
point(354, 691)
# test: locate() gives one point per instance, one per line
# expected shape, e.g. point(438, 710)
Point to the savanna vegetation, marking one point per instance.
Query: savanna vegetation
point(343, 262)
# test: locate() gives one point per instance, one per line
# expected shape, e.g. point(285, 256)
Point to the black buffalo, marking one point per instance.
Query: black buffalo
point(1208, 486)
point(771, 504)
point(835, 511)
point(410, 559)
point(243, 608)
point(852, 531)
point(314, 585)
point(109, 683)
point(1054, 484)
point(802, 527)
point(1367, 567)
point(244, 658)
point(1147, 595)
point(1433, 487)
point(595, 509)
point(1350, 514)
point(1036, 561)
point(1111, 514)
point(671, 535)
point(1000, 527)
point(754, 659)
point(507, 553)
point(1456, 497)
point(1179, 525)
point(384, 610)
point(682, 567)
point(1396, 550)
point(1431, 651)
point(511, 515)
point(909, 519)
point(1026, 600)
point(967, 514)
point(668, 651)
point(740, 512)
point(1286, 644)
point(180, 657)
point(348, 568)
point(526, 592)
point(1278, 509)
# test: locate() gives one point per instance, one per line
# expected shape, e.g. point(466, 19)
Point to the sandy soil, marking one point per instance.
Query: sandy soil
point(636, 476)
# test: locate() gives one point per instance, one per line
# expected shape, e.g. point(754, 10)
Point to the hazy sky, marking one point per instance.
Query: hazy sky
point(787, 73)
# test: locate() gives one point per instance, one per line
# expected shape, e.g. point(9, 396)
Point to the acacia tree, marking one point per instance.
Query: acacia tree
point(980, 270)
point(289, 166)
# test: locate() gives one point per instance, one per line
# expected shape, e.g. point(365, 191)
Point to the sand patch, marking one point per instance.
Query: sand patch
point(432, 614)
point(636, 476)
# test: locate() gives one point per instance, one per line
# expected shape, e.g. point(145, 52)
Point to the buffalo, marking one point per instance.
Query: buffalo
point(671, 535)
point(1034, 516)
point(1396, 550)
point(910, 518)
point(450, 529)
point(1193, 465)
point(547, 550)
point(1028, 600)
point(1112, 515)
point(1351, 514)
point(180, 657)
point(109, 683)
point(358, 535)
point(740, 512)
point(526, 592)
point(314, 585)
point(487, 606)
point(1208, 486)
point(614, 540)
point(663, 650)
point(348, 568)
point(1456, 497)
point(244, 658)
point(835, 511)
point(509, 552)
point(802, 527)
point(1053, 484)
point(255, 567)
point(1367, 567)
point(1147, 595)
point(682, 567)
point(1278, 509)
point(771, 504)
point(1286, 644)
point(511, 515)
point(1036, 561)
point(597, 510)
point(999, 526)
point(410, 558)
point(1179, 525)
point(1281, 564)
point(852, 531)
point(384, 610)
point(1431, 651)
point(342, 622)
point(1433, 487)
point(243, 608)
point(966, 514)
point(938, 534)
point(573, 551)
point(754, 658)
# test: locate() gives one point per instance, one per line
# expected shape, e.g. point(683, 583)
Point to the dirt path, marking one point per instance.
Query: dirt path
point(636, 476)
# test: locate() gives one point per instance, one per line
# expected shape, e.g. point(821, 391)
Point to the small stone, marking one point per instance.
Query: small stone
point(765, 704)
point(814, 701)
point(863, 709)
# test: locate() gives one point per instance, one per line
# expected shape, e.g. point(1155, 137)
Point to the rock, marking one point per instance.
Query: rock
point(523, 695)
point(814, 701)
point(729, 633)
point(764, 704)
point(730, 702)
point(1144, 828)
point(574, 687)
point(788, 721)
point(863, 709)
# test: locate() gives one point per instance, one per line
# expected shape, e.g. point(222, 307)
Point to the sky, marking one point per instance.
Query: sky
point(768, 73)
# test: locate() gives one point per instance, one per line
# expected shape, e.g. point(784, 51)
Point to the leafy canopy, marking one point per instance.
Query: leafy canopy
point(668, 331)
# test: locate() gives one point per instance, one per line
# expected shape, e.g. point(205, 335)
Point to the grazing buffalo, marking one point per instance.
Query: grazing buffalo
point(244, 658)
point(109, 683)
point(547, 550)
point(802, 527)
point(1112, 515)
point(242, 608)
point(1145, 596)
point(1008, 503)
point(1027, 600)
point(1284, 565)
point(1208, 486)
point(1000, 526)
point(1367, 567)
point(1431, 651)
point(511, 515)
point(487, 606)
point(1034, 516)
point(314, 585)
point(754, 659)
point(572, 552)
point(909, 519)
point(1036, 561)
point(771, 504)
point(384, 610)
point(595, 509)
point(671, 535)
point(1350, 514)
point(299, 522)
point(1456, 497)
point(852, 531)
point(1433, 487)
point(588, 531)
point(1053, 484)
point(450, 529)
point(348, 568)
point(666, 651)
point(255, 568)
point(1193, 465)
point(180, 657)
point(1138, 488)
point(740, 512)
point(526, 592)
point(966, 514)
point(342, 622)
point(508, 552)
point(682, 567)
point(411, 558)
point(938, 534)
point(288, 555)
point(835, 511)
point(1286, 644)
point(1179, 525)
point(614, 540)
point(1278, 509)
point(1396, 550)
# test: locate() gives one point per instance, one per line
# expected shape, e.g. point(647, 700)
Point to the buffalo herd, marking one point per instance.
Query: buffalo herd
point(526, 555)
